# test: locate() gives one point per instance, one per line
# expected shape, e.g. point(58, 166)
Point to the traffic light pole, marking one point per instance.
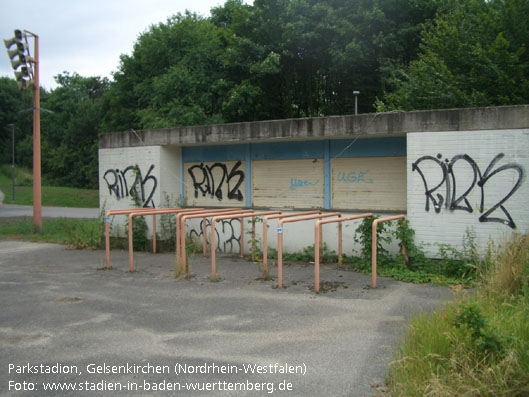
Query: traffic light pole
point(26, 76)
point(12, 161)
point(37, 190)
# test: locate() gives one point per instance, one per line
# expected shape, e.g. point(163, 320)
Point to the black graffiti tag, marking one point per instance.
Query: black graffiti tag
point(438, 199)
point(455, 200)
point(489, 173)
point(204, 182)
point(131, 183)
point(444, 192)
point(227, 229)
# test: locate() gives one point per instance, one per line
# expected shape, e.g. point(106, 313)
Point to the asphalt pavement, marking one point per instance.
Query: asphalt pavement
point(12, 210)
point(67, 322)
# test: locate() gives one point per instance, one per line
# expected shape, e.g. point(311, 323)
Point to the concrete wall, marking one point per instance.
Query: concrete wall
point(433, 165)
point(472, 181)
point(383, 125)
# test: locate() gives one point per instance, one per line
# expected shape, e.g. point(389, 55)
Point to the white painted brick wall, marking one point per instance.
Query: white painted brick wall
point(162, 180)
point(170, 175)
point(450, 224)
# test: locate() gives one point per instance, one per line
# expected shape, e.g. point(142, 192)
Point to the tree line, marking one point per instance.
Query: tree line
point(280, 59)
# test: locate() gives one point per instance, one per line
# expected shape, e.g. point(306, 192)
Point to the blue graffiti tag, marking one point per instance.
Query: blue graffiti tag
point(296, 183)
point(353, 177)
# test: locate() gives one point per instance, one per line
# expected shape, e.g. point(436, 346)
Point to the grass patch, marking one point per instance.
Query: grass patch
point(75, 233)
point(52, 196)
point(434, 272)
point(476, 345)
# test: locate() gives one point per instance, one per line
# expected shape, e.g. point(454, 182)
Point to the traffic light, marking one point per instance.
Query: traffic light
point(20, 59)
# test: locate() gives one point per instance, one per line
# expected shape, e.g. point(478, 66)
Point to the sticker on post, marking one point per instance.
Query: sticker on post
point(280, 229)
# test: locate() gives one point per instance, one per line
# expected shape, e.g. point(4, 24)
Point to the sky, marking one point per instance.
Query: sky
point(86, 36)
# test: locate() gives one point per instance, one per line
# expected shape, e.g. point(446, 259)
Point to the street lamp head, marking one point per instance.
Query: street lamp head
point(356, 93)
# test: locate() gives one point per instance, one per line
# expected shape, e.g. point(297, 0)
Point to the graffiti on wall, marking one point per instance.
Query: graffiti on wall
point(453, 194)
point(130, 182)
point(296, 183)
point(231, 243)
point(212, 179)
point(354, 177)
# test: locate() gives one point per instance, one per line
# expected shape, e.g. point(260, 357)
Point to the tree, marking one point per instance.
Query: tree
point(473, 54)
point(70, 134)
point(171, 78)
point(16, 108)
point(272, 60)
point(250, 63)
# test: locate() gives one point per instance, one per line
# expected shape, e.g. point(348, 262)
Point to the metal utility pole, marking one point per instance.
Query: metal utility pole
point(12, 161)
point(356, 93)
point(27, 74)
point(37, 187)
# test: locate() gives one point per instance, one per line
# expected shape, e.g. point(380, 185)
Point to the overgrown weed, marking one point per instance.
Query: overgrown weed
point(452, 266)
point(476, 345)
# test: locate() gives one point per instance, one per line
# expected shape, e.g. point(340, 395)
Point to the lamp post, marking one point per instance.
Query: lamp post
point(12, 161)
point(356, 93)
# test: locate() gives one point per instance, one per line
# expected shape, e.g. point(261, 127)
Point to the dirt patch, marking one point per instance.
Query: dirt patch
point(25, 339)
point(69, 299)
point(330, 286)
point(268, 278)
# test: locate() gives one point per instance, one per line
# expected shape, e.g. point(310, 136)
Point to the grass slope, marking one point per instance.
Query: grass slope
point(52, 196)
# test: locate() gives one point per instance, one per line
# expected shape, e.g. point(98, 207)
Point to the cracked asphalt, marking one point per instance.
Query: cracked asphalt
point(74, 322)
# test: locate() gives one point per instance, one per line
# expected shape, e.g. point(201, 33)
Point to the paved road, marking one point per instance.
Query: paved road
point(61, 309)
point(11, 210)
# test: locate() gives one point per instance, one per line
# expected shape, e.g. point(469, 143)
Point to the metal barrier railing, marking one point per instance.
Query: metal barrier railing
point(153, 212)
point(241, 216)
point(374, 245)
point(317, 243)
point(280, 239)
point(127, 211)
point(182, 258)
point(178, 225)
point(265, 234)
point(183, 214)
